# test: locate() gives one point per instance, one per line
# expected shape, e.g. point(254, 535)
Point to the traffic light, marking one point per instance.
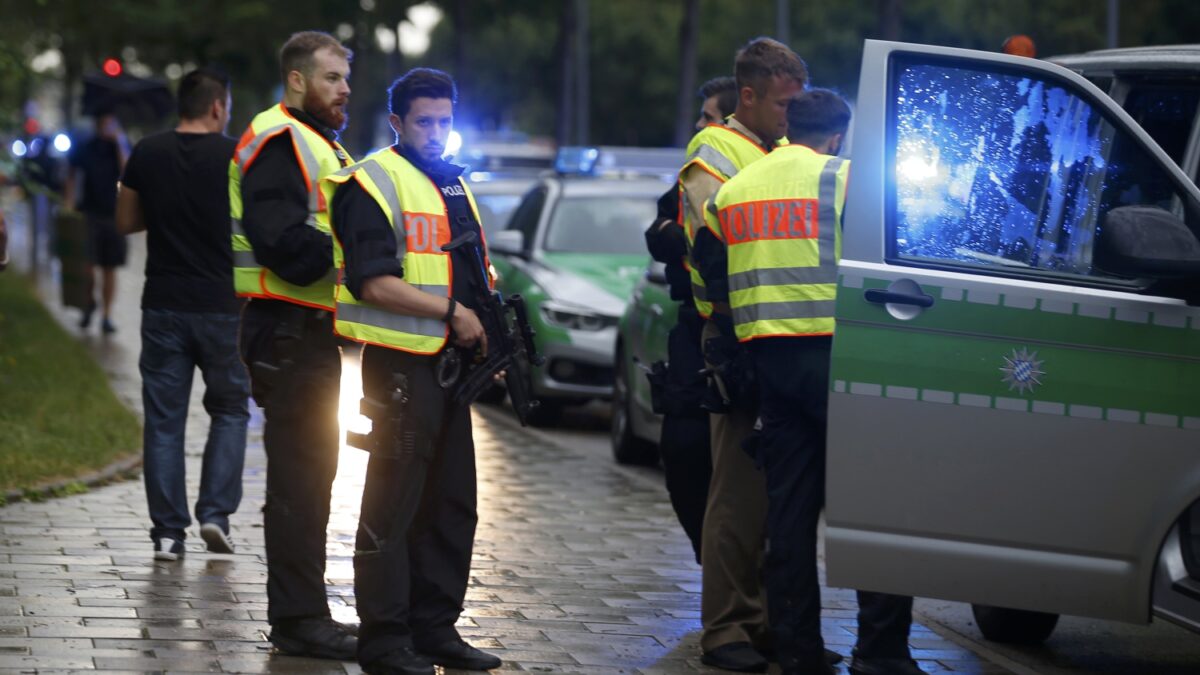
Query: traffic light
point(112, 67)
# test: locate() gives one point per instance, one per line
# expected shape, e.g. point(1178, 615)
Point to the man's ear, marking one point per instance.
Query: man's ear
point(835, 143)
point(396, 123)
point(296, 82)
point(746, 96)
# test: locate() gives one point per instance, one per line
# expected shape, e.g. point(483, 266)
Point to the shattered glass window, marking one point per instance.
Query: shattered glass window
point(1000, 169)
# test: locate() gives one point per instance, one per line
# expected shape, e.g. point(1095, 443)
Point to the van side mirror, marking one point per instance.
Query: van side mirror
point(508, 242)
point(1146, 242)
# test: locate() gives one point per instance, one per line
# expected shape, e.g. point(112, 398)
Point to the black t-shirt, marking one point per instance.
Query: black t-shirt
point(101, 166)
point(182, 181)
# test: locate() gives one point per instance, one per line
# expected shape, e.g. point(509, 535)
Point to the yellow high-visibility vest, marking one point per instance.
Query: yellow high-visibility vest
point(416, 210)
point(781, 221)
point(721, 152)
point(318, 157)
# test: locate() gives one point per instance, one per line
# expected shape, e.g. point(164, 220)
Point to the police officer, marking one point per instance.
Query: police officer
point(283, 261)
point(684, 446)
point(767, 74)
point(781, 221)
point(411, 303)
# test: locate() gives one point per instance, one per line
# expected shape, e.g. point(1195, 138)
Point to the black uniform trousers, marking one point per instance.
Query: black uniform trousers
point(793, 376)
point(295, 370)
point(412, 556)
point(684, 444)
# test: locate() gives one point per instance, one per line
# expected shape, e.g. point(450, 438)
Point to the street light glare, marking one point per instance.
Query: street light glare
point(62, 142)
point(19, 148)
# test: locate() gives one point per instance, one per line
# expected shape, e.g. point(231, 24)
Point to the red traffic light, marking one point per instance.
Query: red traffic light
point(112, 67)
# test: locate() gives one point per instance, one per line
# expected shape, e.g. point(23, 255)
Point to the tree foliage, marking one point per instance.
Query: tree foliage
point(506, 53)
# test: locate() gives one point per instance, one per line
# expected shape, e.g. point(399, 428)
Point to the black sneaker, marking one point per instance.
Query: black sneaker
point(459, 655)
point(216, 538)
point(402, 661)
point(318, 637)
point(107, 326)
point(85, 319)
point(168, 549)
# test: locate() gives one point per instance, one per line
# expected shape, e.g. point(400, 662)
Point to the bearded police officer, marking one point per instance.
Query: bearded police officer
point(410, 301)
point(781, 220)
point(283, 261)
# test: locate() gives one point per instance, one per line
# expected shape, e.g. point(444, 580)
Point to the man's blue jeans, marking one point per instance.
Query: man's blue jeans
point(174, 344)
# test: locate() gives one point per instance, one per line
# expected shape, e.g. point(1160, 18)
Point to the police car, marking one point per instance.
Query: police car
point(641, 341)
point(1014, 417)
point(574, 249)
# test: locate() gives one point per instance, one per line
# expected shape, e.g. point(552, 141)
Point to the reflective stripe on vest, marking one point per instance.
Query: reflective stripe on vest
point(783, 239)
point(720, 152)
point(416, 211)
point(316, 157)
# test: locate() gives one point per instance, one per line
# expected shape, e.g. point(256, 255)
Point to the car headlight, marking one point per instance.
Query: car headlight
point(576, 318)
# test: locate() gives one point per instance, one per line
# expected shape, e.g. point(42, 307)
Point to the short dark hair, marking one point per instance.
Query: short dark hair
point(815, 115)
point(197, 91)
point(725, 89)
point(763, 58)
point(297, 52)
point(417, 83)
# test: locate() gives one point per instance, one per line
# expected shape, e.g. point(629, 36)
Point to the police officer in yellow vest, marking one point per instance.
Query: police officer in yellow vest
point(283, 261)
point(410, 302)
point(781, 221)
point(767, 74)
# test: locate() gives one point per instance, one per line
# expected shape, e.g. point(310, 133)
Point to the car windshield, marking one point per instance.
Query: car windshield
point(495, 210)
point(607, 224)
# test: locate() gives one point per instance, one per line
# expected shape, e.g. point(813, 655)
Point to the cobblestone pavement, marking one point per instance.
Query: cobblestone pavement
point(579, 566)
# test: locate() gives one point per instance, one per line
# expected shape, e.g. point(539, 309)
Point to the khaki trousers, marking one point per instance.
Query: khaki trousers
point(732, 601)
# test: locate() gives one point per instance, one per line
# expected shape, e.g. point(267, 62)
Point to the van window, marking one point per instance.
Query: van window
point(1007, 172)
point(1167, 111)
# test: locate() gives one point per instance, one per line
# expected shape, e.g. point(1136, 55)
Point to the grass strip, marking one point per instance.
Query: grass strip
point(58, 417)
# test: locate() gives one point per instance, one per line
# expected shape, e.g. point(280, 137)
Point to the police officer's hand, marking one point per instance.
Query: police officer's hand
point(467, 329)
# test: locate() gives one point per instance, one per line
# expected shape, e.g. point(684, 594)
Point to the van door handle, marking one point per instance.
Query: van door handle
point(883, 296)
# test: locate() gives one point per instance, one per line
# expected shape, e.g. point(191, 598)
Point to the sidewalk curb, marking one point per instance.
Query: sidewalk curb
point(46, 490)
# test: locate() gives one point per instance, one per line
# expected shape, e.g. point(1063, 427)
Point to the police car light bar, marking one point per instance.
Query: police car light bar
point(576, 160)
point(616, 160)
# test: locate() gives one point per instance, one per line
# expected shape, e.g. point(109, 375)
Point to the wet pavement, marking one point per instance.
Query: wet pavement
point(579, 566)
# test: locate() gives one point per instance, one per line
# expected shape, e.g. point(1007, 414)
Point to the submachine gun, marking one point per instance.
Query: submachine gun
point(509, 336)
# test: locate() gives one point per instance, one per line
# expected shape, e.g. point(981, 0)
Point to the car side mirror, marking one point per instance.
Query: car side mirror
point(508, 242)
point(656, 273)
point(1146, 242)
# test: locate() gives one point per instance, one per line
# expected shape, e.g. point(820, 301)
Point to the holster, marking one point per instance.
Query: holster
point(266, 371)
point(732, 383)
point(656, 375)
point(395, 432)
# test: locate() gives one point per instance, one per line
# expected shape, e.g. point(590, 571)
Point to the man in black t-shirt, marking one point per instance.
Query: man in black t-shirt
point(101, 159)
point(175, 188)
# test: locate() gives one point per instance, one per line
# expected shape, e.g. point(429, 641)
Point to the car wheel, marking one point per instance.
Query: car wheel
point(546, 413)
point(627, 448)
point(1014, 626)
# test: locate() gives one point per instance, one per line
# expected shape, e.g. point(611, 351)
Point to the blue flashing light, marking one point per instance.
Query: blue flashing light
point(19, 148)
point(62, 142)
point(576, 160)
point(35, 146)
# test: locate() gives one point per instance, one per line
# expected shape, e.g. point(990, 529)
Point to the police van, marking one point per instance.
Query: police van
point(1014, 417)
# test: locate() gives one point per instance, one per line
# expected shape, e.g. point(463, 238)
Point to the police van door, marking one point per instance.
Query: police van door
point(1010, 424)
